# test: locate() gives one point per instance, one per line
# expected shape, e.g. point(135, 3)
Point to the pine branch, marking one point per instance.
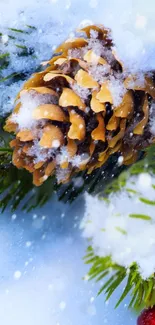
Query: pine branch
point(103, 268)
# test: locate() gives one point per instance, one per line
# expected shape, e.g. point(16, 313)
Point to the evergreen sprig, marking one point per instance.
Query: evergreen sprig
point(103, 268)
point(16, 38)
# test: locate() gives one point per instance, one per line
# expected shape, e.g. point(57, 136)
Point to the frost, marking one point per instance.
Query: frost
point(96, 45)
point(117, 90)
point(61, 174)
point(76, 161)
point(76, 53)
point(80, 159)
point(93, 33)
point(99, 72)
point(82, 92)
point(40, 154)
point(139, 81)
point(124, 228)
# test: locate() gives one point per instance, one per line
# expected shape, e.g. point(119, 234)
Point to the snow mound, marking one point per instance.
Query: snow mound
point(124, 225)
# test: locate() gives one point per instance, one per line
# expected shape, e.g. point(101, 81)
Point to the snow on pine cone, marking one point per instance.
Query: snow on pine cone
point(81, 109)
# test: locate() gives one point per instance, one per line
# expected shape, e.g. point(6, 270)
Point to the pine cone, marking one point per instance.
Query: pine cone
point(81, 109)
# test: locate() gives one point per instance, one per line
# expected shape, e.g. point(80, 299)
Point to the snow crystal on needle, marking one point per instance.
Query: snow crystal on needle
point(115, 230)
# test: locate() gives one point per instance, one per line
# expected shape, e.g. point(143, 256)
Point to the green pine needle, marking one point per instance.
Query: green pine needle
point(140, 216)
point(146, 201)
point(140, 290)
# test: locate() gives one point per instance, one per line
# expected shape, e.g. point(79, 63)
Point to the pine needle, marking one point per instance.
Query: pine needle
point(139, 216)
point(139, 289)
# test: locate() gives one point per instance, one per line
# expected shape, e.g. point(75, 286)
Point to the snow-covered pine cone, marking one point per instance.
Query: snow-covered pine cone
point(81, 109)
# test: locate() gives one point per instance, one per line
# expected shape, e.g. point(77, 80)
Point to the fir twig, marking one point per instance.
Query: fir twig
point(139, 289)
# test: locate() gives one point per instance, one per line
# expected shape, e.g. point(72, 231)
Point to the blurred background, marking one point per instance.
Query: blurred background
point(41, 271)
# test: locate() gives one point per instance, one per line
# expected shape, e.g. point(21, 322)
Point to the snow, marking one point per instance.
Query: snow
point(17, 275)
point(120, 160)
point(14, 216)
point(76, 160)
point(55, 144)
point(61, 174)
point(28, 244)
point(82, 92)
point(99, 72)
point(29, 101)
point(39, 153)
point(117, 90)
point(5, 38)
point(114, 229)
